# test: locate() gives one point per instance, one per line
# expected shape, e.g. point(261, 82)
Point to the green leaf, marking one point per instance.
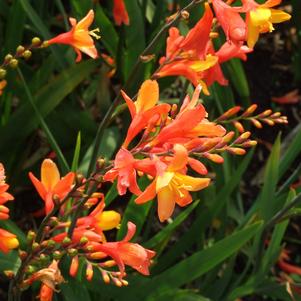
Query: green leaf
point(46, 100)
point(10, 261)
point(75, 160)
point(179, 295)
point(200, 262)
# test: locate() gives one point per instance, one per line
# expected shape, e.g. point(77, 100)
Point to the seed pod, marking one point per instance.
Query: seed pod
point(36, 42)
point(2, 73)
point(20, 49)
point(13, 63)
point(27, 54)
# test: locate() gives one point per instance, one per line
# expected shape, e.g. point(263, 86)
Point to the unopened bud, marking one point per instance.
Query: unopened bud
point(36, 42)
point(22, 254)
point(44, 44)
point(117, 282)
point(105, 277)
point(185, 14)
point(265, 113)
point(276, 114)
point(30, 269)
point(66, 241)
point(238, 126)
point(236, 151)
point(20, 49)
point(124, 282)
point(84, 240)
point(53, 221)
point(89, 271)
point(249, 110)
point(109, 263)
point(228, 137)
point(9, 274)
point(13, 63)
point(79, 178)
point(35, 247)
point(214, 158)
point(249, 143)
point(74, 266)
point(27, 54)
point(268, 121)
point(57, 255)
point(51, 243)
point(72, 252)
point(140, 173)
point(229, 113)
point(31, 236)
point(2, 73)
point(242, 138)
point(256, 123)
point(100, 163)
point(8, 58)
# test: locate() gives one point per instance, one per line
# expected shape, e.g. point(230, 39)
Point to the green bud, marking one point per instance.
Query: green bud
point(30, 269)
point(31, 236)
point(2, 73)
point(27, 54)
point(83, 240)
point(13, 63)
point(50, 243)
point(66, 241)
point(57, 255)
point(72, 252)
point(35, 247)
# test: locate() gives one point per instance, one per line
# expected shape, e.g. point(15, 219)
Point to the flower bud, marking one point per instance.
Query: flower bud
point(57, 255)
point(100, 163)
point(22, 254)
point(147, 58)
point(83, 240)
point(66, 242)
point(214, 158)
point(27, 54)
point(256, 123)
point(229, 113)
point(238, 126)
point(31, 236)
point(36, 42)
point(105, 277)
point(268, 121)
point(35, 247)
point(20, 49)
point(89, 271)
point(72, 252)
point(30, 269)
point(74, 266)
point(14, 63)
point(236, 151)
point(228, 137)
point(8, 58)
point(185, 14)
point(265, 113)
point(250, 110)
point(2, 73)
point(249, 143)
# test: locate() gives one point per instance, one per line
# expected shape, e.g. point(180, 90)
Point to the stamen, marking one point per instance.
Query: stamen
point(94, 34)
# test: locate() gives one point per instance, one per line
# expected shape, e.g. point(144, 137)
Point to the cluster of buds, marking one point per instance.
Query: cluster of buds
point(194, 56)
point(12, 61)
point(267, 117)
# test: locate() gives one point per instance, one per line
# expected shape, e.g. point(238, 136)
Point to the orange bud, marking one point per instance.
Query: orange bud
point(236, 151)
point(238, 126)
point(89, 271)
point(105, 277)
point(109, 263)
point(214, 158)
point(228, 137)
point(229, 113)
point(74, 266)
point(249, 110)
point(256, 123)
point(268, 121)
point(249, 143)
point(213, 35)
point(265, 113)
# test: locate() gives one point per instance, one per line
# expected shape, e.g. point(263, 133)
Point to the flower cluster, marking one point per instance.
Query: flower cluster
point(8, 240)
point(195, 57)
point(170, 141)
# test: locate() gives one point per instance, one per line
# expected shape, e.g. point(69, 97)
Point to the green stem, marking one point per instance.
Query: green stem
point(61, 159)
point(147, 51)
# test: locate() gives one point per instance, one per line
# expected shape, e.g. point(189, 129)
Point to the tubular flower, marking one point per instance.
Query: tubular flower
point(230, 20)
point(260, 18)
point(79, 37)
point(46, 293)
point(188, 56)
point(173, 185)
point(126, 253)
point(3, 84)
point(144, 109)
point(120, 13)
point(8, 241)
point(4, 195)
point(51, 185)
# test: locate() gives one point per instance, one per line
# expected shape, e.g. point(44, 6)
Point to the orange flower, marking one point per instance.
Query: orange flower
point(8, 241)
point(173, 185)
point(125, 253)
point(230, 20)
point(46, 293)
point(187, 56)
point(51, 185)
point(144, 109)
point(79, 37)
point(120, 13)
point(4, 195)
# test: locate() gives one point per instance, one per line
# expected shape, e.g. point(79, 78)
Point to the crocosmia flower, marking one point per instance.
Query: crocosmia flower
point(51, 184)
point(79, 37)
point(8, 241)
point(120, 13)
point(260, 18)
